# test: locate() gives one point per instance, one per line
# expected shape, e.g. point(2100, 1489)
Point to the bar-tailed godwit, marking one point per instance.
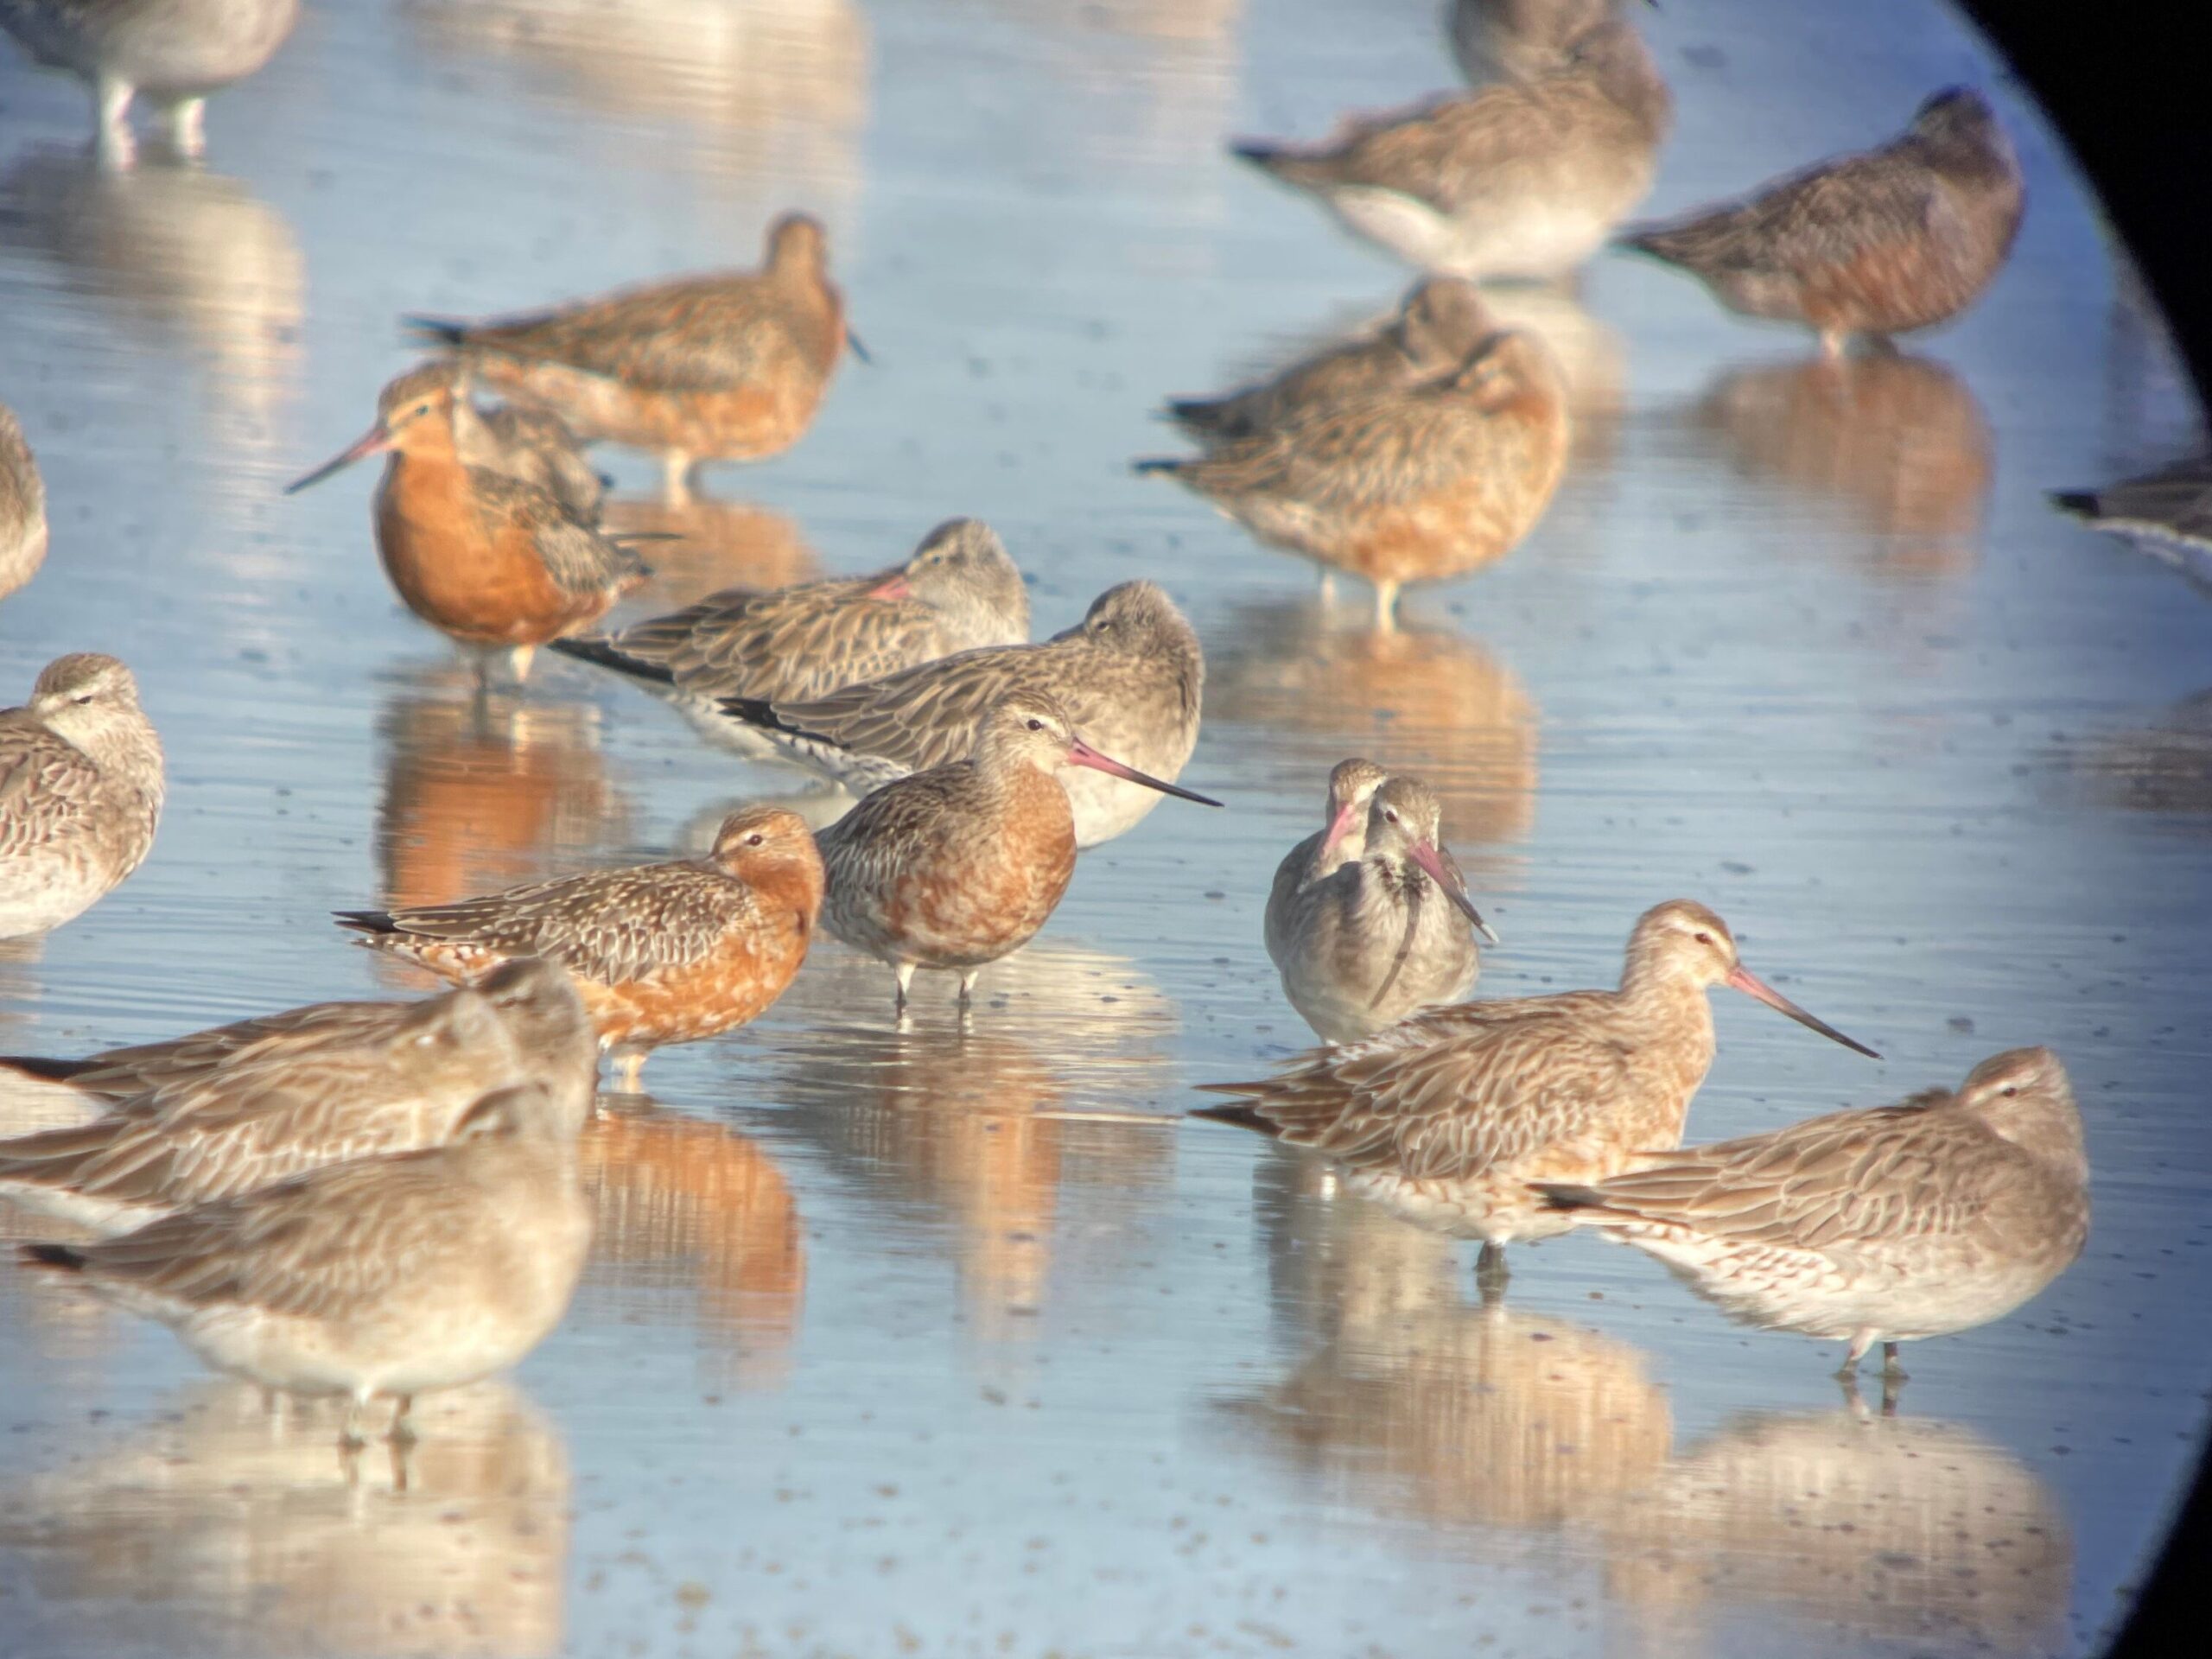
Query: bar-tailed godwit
point(1386, 931)
point(1885, 1225)
point(486, 558)
point(662, 953)
point(729, 367)
point(1512, 180)
point(958, 866)
point(404, 1085)
point(959, 591)
point(22, 507)
point(392, 1276)
point(1448, 1117)
point(1395, 487)
point(1439, 322)
point(1883, 242)
point(175, 51)
point(1129, 675)
point(80, 791)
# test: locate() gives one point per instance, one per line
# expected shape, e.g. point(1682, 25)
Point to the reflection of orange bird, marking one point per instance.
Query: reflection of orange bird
point(1898, 442)
point(717, 544)
point(678, 1194)
point(481, 793)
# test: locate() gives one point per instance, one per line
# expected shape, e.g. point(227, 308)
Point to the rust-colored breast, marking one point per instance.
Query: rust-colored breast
point(974, 900)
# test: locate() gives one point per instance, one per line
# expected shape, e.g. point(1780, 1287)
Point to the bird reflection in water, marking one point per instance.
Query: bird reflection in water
point(204, 268)
point(1898, 443)
point(1422, 1404)
point(1866, 1527)
point(762, 90)
point(60, 1328)
point(2164, 767)
point(713, 545)
point(482, 792)
point(687, 1202)
point(982, 1129)
point(219, 1527)
point(1325, 685)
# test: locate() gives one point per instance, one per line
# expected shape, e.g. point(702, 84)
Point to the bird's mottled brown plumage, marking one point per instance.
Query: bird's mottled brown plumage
point(1883, 242)
point(396, 1275)
point(1512, 180)
point(404, 1084)
point(1888, 1225)
point(80, 791)
point(22, 507)
point(1522, 39)
point(727, 367)
point(1450, 1114)
point(959, 591)
point(1130, 675)
point(1407, 486)
point(534, 445)
point(1438, 324)
point(662, 953)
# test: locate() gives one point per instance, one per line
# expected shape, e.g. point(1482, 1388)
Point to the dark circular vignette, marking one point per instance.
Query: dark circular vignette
point(2137, 120)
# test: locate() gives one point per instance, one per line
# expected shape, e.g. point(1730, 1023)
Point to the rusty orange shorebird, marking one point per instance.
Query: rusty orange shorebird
point(958, 866)
point(1450, 1115)
point(729, 367)
point(957, 591)
point(1888, 1224)
point(1403, 486)
point(1437, 324)
point(489, 559)
point(662, 953)
point(1880, 242)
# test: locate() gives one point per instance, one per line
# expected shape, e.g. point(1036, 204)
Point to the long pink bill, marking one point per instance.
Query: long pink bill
point(1751, 985)
point(1350, 813)
point(1442, 874)
point(371, 442)
point(1081, 754)
point(894, 586)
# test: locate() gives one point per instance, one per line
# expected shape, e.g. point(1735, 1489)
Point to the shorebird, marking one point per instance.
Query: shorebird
point(1403, 486)
point(1437, 323)
point(22, 507)
point(404, 1086)
point(1887, 1224)
point(1129, 675)
point(1341, 838)
point(533, 445)
point(529, 996)
point(2167, 513)
point(729, 367)
point(80, 792)
point(1516, 180)
point(1520, 40)
point(1883, 242)
point(395, 1275)
point(1362, 941)
point(957, 866)
point(959, 591)
point(176, 52)
point(1449, 1116)
point(662, 953)
point(486, 558)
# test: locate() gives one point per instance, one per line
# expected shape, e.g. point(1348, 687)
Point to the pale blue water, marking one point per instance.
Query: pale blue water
point(886, 1350)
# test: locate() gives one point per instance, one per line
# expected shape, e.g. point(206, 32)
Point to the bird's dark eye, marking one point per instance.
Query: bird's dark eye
point(756, 839)
point(1704, 938)
point(1036, 725)
point(1390, 815)
point(2010, 1089)
point(81, 701)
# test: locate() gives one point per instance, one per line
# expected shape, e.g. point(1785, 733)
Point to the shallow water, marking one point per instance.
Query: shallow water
point(939, 1343)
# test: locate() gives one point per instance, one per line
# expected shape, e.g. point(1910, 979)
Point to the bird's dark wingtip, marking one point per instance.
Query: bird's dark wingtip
point(2083, 504)
point(61, 1257)
point(367, 921)
point(43, 1068)
point(1152, 464)
point(602, 651)
point(445, 331)
point(1560, 1195)
point(1243, 1114)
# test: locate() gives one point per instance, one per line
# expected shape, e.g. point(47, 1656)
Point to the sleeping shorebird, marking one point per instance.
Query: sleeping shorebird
point(1439, 323)
point(1129, 675)
point(1397, 487)
point(1515, 180)
point(959, 591)
point(245, 1124)
point(80, 792)
point(486, 558)
point(730, 366)
point(2167, 513)
point(1880, 242)
point(1367, 942)
point(1521, 40)
point(22, 507)
point(662, 953)
point(958, 866)
point(1450, 1115)
point(176, 52)
point(1888, 1225)
point(399, 1275)
point(519, 992)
